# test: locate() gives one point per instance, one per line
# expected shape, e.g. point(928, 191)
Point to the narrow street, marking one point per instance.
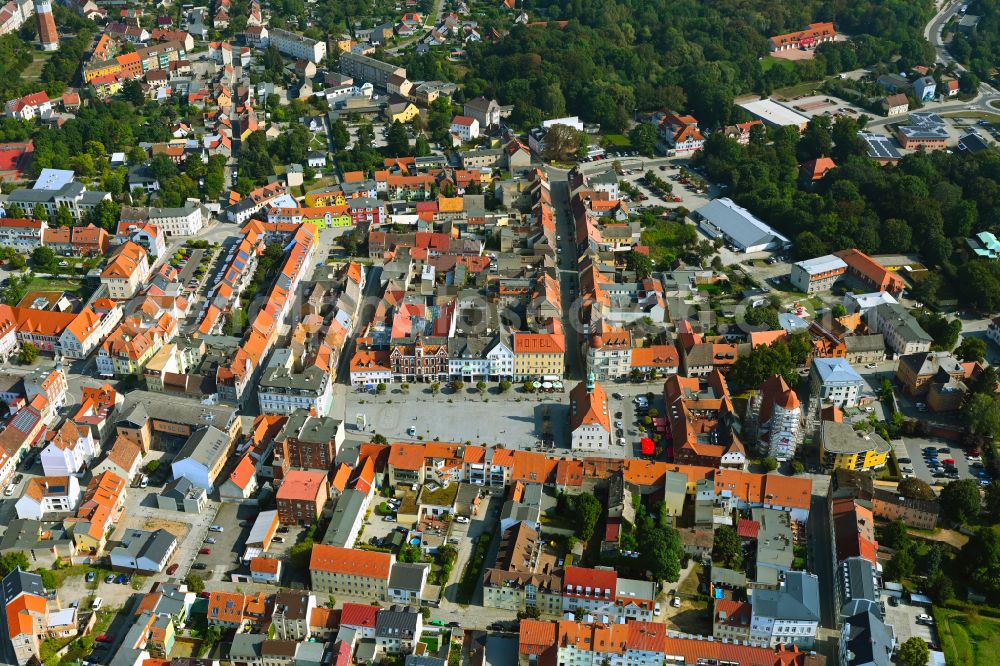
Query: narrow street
point(566, 260)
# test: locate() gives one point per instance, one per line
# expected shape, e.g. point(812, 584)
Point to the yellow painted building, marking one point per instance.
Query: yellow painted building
point(105, 69)
point(321, 217)
point(326, 198)
point(845, 448)
point(539, 354)
point(408, 113)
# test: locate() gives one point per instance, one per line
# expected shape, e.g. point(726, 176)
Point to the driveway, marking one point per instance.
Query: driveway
point(903, 619)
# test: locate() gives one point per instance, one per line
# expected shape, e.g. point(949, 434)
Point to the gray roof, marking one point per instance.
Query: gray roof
point(796, 599)
point(405, 576)
point(415, 660)
point(142, 405)
point(181, 489)
point(397, 622)
point(857, 585)
point(17, 582)
point(247, 646)
point(930, 363)
point(738, 223)
point(824, 264)
point(869, 640)
point(863, 343)
point(25, 534)
point(205, 446)
point(905, 324)
point(278, 378)
point(305, 428)
point(142, 543)
point(261, 527)
point(309, 654)
point(341, 529)
point(842, 438)
point(608, 177)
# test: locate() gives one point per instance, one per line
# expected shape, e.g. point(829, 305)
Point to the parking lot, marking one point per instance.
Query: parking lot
point(903, 619)
point(689, 198)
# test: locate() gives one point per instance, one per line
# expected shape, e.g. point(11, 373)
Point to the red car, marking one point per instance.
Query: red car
point(103, 638)
point(205, 595)
point(172, 569)
point(948, 461)
point(205, 551)
point(973, 452)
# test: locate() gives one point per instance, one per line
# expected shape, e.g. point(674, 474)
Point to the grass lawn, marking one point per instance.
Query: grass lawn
point(432, 644)
point(55, 284)
point(616, 140)
point(967, 640)
point(792, 92)
point(975, 115)
point(770, 61)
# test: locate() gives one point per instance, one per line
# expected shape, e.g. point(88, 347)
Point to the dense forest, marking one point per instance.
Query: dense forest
point(616, 57)
point(980, 50)
point(928, 203)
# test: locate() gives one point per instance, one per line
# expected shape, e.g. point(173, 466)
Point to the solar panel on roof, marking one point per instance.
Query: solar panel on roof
point(23, 421)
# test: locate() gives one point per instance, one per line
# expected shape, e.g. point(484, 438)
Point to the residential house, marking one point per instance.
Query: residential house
point(302, 496)
point(835, 381)
point(144, 552)
point(354, 573)
point(589, 417)
point(125, 271)
point(843, 447)
point(901, 330)
point(45, 495)
point(202, 457)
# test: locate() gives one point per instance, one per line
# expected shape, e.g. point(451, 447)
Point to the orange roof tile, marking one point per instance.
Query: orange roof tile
point(368, 564)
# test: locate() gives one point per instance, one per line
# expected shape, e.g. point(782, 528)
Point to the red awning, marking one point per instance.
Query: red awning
point(648, 448)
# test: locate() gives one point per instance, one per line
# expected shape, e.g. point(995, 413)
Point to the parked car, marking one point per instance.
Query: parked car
point(110, 578)
point(210, 540)
point(172, 569)
point(199, 565)
point(103, 638)
point(216, 528)
point(279, 539)
point(91, 576)
point(905, 461)
point(389, 519)
point(98, 602)
point(461, 519)
point(205, 551)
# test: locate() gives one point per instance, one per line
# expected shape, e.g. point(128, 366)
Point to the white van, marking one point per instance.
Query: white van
point(98, 602)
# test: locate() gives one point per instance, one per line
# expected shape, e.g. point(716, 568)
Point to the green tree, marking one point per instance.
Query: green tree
point(457, 385)
point(643, 138)
point(901, 566)
point(195, 583)
point(435, 388)
point(640, 263)
point(981, 415)
point(381, 388)
point(915, 488)
point(39, 213)
point(798, 467)
point(914, 652)
point(64, 218)
point(504, 385)
point(971, 349)
point(769, 464)
point(339, 135)
point(660, 551)
point(992, 501)
point(960, 501)
point(585, 511)
point(481, 387)
point(727, 547)
point(11, 561)
point(895, 536)
point(43, 257)
point(838, 310)
point(980, 561)
point(397, 141)
point(940, 588)
point(28, 354)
